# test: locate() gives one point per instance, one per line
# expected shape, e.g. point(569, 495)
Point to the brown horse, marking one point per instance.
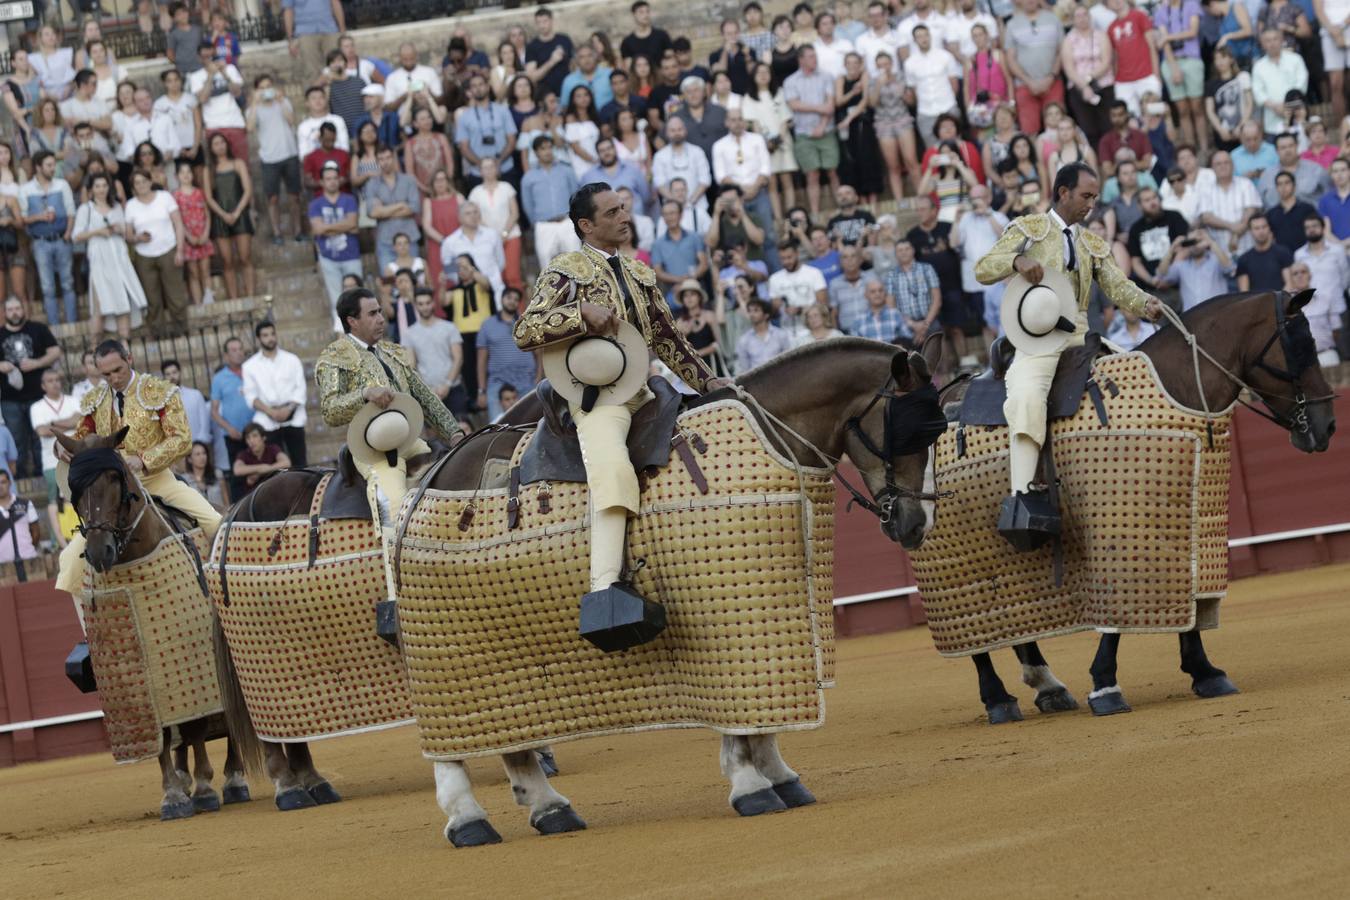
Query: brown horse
point(839, 396)
point(115, 519)
point(1259, 342)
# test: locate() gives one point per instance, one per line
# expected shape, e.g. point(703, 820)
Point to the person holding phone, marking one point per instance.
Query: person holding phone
point(1198, 265)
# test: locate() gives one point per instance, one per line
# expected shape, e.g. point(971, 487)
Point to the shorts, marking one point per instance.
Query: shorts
point(1334, 58)
point(1192, 79)
point(953, 313)
point(1133, 91)
point(816, 154)
point(274, 174)
point(974, 301)
point(49, 476)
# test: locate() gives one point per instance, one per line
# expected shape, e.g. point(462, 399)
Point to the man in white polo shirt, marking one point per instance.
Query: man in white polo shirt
point(932, 73)
point(411, 77)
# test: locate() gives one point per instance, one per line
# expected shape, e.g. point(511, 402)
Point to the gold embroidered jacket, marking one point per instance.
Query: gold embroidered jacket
point(1036, 237)
point(344, 371)
point(554, 314)
point(158, 426)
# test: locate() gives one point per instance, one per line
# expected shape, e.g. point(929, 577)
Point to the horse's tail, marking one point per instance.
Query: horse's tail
point(237, 720)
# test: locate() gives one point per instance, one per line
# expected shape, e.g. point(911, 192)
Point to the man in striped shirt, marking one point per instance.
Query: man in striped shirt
point(913, 288)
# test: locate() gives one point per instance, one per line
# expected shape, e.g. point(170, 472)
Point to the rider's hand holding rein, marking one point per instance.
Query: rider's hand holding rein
point(1031, 270)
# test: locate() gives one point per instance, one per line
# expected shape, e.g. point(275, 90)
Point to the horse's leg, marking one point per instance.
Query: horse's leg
point(769, 763)
point(290, 792)
point(302, 765)
point(204, 797)
point(1207, 679)
point(176, 803)
point(467, 824)
point(751, 792)
point(1106, 698)
point(1051, 694)
point(180, 761)
point(998, 703)
point(546, 761)
point(550, 811)
point(236, 785)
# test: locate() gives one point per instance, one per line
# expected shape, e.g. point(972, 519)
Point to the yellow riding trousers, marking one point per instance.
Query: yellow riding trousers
point(1028, 383)
point(603, 436)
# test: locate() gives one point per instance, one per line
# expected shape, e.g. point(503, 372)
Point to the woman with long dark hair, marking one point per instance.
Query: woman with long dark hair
point(148, 157)
point(440, 219)
point(520, 100)
point(201, 474)
point(768, 114)
point(630, 142)
point(229, 189)
point(642, 77)
point(114, 287)
point(582, 129)
point(13, 262)
point(505, 72)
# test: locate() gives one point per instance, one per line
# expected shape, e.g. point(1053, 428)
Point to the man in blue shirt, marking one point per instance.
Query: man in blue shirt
point(590, 75)
point(394, 201)
point(500, 362)
point(1335, 203)
point(617, 173)
point(230, 411)
point(545, 192)
point(386, 123)
point(1255, 155)
point(332, 220)
point(677, 254)
point(622, 98)
point(484, 129)
point(9, 452)
point(312, 29)
point(1198, 265)
point(48, 209)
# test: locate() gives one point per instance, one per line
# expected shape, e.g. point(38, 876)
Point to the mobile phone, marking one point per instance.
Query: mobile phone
point(416, 85)
point(1156, 109)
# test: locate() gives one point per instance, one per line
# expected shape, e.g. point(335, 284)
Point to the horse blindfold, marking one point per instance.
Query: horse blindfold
point(914, 421)
point(88, 465)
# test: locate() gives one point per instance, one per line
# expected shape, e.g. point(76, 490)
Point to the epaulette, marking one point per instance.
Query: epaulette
point(154, 393)
point(575, 265)
point(1095, 244)
point(1034, 227)
point(341, 352)
point(639, 271)
point(396, 351)
point(94, 399)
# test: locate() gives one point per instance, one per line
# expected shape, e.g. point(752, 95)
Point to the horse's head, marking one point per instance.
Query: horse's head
point(1284, 372)
point(891, 443)
point(103, 495)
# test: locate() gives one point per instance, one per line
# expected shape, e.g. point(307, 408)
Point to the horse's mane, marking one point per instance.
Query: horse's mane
point(816, 348)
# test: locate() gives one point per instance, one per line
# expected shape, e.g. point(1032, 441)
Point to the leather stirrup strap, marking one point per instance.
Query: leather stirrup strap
point(681, 446)
point(314, 506)
point(513, 500)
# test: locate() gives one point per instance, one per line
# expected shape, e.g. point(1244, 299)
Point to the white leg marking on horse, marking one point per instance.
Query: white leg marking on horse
point(739, 767)
point(529, 784)
point(1040, 678)
point(767, 760)
point(1113, 689)
point(929, 487)
point(454, 794)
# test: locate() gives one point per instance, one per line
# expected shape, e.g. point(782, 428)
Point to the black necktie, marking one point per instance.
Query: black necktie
point(121, 405)
point(1073, 257)
point(384, 365)
point(617, 268)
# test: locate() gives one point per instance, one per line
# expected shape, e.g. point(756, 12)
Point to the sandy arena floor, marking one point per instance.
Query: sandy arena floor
point(1241, 796)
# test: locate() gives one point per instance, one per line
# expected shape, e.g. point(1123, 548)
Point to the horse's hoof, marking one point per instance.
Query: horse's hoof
point(1005, 712)
point(295, 798)
point(473, 834)
point(1214, 686)
point(180, 809)
point(758, 803)
point(235, 793)
point(208, 801)
point(547, 762)
point(1108, 704)
point(1058, 700)
point(794, 794)
point(558, 821)
point(323, 793)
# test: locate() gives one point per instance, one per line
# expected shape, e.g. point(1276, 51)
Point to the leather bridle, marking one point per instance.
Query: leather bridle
point(1297, 421)
point(120, 529)
point(902, 435)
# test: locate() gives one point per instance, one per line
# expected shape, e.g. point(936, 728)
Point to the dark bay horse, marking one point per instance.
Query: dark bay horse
point(1263, 344)
point(119, 528)
point(818, 392)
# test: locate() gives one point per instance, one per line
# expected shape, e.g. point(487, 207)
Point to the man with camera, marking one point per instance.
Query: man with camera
point(217, 86)
point(1198, 265)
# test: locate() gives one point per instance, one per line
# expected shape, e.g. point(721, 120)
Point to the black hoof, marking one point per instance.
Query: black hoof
point(295, 798)
point(758, 803)
point(235, 793)
point(183, 809)
point(477, 833)
point(794, 794)
point(1214, 686)
point(1058, 700)
point(559, 821)
point(1108, 704)
point(1005, 712)
point(207, 802)
point(547, 762)
point(323, 793)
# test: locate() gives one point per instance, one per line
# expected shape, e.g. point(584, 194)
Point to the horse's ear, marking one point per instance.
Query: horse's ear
point(900, 371)
point(73, 445)
point(120, 436)
point(932, 350)
point(919, 367)
point(1298, 301)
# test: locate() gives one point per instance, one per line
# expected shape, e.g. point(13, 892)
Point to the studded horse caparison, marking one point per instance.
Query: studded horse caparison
point(1263, 343)
point(119, 527)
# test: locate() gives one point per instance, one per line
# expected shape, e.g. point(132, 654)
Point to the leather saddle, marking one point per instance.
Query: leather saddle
point(555, 453)
point(983, 401)
point(345, 495)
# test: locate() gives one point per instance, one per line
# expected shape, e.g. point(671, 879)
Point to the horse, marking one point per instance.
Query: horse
point(820, 403)
point(835, 408)
point(1256, 341)
point(114, 513)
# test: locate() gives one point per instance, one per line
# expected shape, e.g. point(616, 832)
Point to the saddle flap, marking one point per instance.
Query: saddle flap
point(554, 453)
point(345, 495)
point(983, 402)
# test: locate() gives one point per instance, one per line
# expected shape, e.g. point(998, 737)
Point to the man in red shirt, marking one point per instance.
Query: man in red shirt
point(1123, 135)
point(318, 158)
point(1135, 41)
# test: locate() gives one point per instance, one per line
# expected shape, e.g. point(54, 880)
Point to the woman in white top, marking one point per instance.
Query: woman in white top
point(548, 119)
point(630, 142)
point(501, 212)
point(817, 321)
point(582, 129)
point(504, 72)
point(114, 288)
point(155, 229)
point(54, 64)
point(176, 123)
point(106, 70)
point(767, 113)
point(93, 34)
point(721, 93)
